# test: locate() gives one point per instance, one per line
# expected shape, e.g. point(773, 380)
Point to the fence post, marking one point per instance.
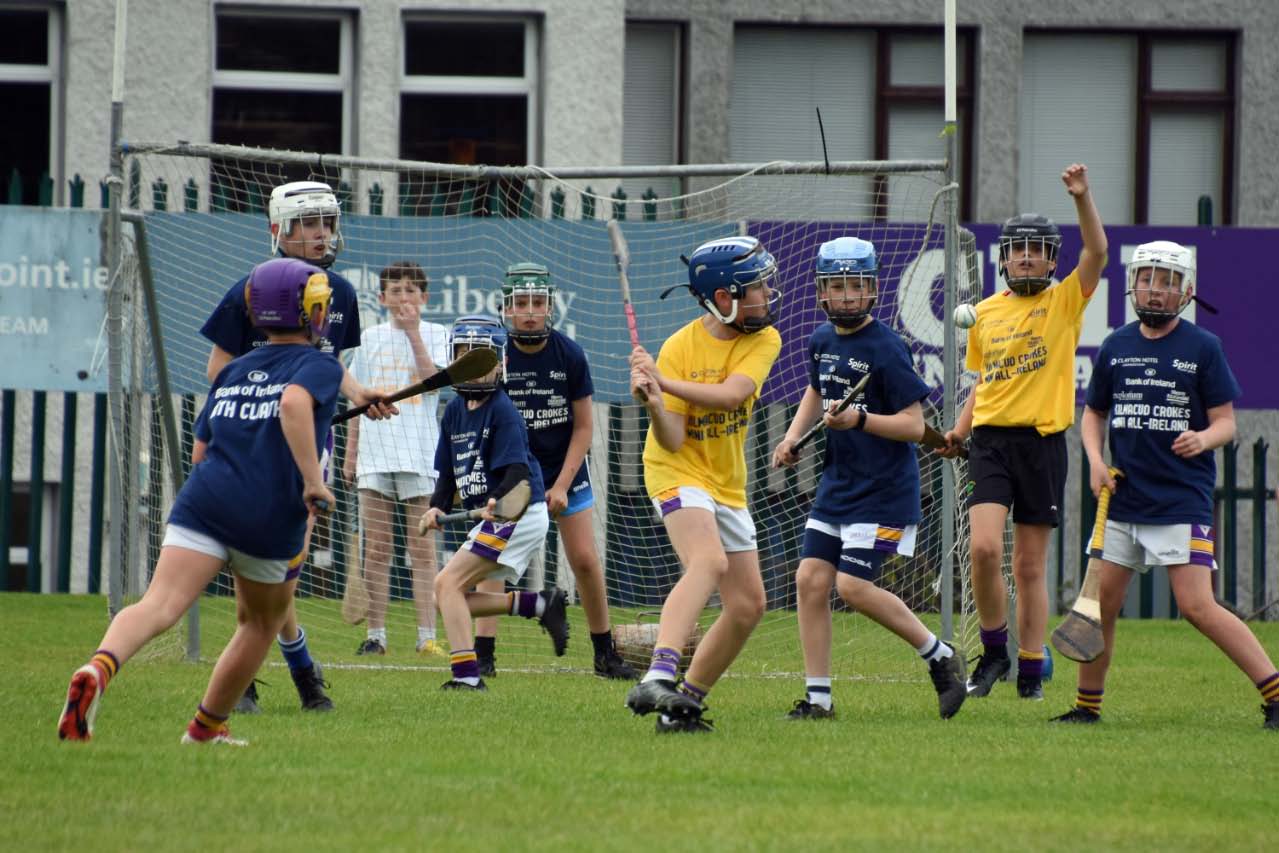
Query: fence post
point(159, 194)
point(1260, 498)
point(66, 491)
point(1205, 210)
point(97, 491)
point(191, 196)
point(375, 200)
point(15, 187)
point(557, 203)
point(650, 205)
point(6, 484)
point(619, 204)
point(588, 203)
point(1230, 477)
point(35, 491)
point(76, 185)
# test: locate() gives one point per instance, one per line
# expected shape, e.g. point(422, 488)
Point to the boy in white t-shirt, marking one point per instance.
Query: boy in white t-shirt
point(392, 461)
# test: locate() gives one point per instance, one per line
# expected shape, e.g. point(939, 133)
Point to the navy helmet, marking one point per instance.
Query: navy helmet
point(734, 264)
point(476, 331)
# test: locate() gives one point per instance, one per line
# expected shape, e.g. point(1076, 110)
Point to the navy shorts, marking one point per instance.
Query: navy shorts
point(861, 563)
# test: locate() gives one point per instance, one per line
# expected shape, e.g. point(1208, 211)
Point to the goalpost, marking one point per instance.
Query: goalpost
point(201, 210)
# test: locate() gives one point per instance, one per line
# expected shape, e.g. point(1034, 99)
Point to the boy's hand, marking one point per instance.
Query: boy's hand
point(846, 419)
point(486, 514)
point(1076, 179)
point(556, 500)
point(429, 520)
point(377, 409)
point(784, 455)
point(1099, 477)
point(642, 360)
point(954, 445)
point(1189, 444)
point(318, 499)
point(406, 317)
point(645, 382)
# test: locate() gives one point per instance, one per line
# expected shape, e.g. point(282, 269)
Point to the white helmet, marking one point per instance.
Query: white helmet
point(299, 199)
point(1179, 262)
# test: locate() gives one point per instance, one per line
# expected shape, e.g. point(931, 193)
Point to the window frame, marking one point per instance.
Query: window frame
point(529, 85)
point(888, 95)
point(1151, 101)
point(343, 82)
point(53, 74)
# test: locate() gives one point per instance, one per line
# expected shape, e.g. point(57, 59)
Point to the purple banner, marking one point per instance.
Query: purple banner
point(1229, 261)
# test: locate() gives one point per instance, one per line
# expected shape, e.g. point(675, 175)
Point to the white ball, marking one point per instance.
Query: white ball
point(965, 316)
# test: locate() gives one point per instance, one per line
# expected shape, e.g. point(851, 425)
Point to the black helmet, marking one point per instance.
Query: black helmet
point(1028, 229)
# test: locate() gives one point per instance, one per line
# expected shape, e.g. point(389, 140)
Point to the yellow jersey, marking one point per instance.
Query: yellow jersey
point(713, 455)
point(1024, 349)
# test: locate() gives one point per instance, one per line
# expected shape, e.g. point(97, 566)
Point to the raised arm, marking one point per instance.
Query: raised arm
point(1092, 258)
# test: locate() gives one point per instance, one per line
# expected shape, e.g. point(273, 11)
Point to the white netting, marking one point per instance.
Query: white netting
point(464, 231)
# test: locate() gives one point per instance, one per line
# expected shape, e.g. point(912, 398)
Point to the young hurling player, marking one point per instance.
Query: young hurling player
point(304, 224)
point(1023, 350)
point(549, 381)
point(271, 410)
point(699, 395)
point(483, 453)
point(1165, 388)
point(389, 459)
point(867, 503)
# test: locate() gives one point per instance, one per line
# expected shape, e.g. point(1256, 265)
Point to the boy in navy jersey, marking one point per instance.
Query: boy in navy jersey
point(304, 224)
point(257, 437)
point(548, 380)
point(483, 453)
point(867, 504)
point(1165, 388)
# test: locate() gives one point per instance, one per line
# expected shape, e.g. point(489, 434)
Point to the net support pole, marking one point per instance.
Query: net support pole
point(950, 373)
point(168, 417)
point(115, 315)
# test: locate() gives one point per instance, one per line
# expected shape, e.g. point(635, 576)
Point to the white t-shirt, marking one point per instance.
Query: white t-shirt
point(384, 362)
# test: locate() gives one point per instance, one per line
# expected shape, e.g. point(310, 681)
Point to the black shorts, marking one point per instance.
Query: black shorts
point(1020, 469)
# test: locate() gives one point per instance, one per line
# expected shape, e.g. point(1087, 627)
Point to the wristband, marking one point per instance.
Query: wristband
point(861, 420)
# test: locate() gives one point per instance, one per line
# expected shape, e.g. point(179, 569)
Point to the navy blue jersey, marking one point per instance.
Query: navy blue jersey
point(544, 386)
point(474, 444)
point(1151, 392)
point(865, 479)
point(247, 491)
point(231, 329)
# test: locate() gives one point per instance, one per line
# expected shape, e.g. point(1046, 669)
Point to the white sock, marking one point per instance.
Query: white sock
point(540, 607)
point(934, 649)
point(818, 690)
point(378, 634)
point(424, 634)
point(474, 681)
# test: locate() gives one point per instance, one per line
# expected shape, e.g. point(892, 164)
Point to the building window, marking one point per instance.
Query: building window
point(1152, 115)
point(652, 103)
point(280, 80)
point(880, 92)
point(30, 89)
point(468, 95)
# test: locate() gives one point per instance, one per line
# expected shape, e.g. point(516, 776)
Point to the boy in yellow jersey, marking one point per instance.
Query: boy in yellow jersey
point(1023, 350)
point(699, 396)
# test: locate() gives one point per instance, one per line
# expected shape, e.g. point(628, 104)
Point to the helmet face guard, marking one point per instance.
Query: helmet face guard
point(293, 202)
point(1164, 272)
point(479, 332)
point(1029, 235)
point(735, 265)
point(843, 260)
point(524, 283)
point(289, 295)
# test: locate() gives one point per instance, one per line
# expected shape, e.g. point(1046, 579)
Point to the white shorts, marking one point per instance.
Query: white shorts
point(869, 537)
point(736, 527)
point(511, 545)
point(1137, 547)
point(398, 485)
point(260, 569)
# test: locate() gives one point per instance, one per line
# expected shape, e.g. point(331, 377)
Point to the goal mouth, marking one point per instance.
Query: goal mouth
point(202, 207)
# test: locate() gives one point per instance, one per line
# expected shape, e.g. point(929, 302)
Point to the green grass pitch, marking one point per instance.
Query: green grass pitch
point(554, 761)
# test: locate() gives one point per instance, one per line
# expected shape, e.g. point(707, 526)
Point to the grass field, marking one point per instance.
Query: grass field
point(554, 761)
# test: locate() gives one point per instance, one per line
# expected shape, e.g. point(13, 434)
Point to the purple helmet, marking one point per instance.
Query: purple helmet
point(288, 294)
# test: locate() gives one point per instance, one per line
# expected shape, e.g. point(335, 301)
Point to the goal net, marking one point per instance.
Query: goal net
point(206, 226)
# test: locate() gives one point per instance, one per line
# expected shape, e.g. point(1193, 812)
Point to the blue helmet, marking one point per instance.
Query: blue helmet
point(845, 258)
point(733, 264)
point(288, 294)
point(474, 331)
